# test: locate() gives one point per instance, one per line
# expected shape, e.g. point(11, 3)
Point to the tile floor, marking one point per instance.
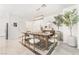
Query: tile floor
point(64, 49)
point(13, 47)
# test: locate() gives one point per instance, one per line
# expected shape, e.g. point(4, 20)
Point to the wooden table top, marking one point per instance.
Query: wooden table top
point(38, 33)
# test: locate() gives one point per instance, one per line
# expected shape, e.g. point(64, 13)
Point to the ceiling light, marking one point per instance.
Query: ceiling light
point(43, 5)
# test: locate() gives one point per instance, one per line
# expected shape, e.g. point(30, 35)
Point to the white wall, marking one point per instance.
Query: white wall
point(15, 32)
point(3, 22)
point(78, 29)
point(35, 26)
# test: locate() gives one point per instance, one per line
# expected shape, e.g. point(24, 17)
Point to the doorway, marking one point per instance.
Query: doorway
point(3, 29)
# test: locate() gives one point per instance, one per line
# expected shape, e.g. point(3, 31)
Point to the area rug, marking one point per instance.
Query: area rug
point(38, 49)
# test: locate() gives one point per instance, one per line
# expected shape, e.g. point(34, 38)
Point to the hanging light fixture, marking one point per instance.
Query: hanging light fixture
point(41, 16)
point(42, 6)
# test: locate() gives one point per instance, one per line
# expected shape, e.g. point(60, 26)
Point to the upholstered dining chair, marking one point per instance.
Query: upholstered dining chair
point(25, 38)
point(53, 36)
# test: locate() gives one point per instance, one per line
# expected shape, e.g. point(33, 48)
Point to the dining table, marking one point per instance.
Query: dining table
point(45, 37)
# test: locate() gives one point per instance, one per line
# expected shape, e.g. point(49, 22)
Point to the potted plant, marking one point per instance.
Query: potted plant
point(58, 21)
point(69, 19)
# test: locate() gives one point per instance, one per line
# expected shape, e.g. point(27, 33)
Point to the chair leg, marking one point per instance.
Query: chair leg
point(22, 39)
point(28, 43)
point(25, 42)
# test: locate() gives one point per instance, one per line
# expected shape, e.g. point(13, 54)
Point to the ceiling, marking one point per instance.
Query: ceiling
point(28, 11)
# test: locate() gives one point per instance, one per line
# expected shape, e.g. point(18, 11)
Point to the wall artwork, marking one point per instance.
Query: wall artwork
point(15, 24)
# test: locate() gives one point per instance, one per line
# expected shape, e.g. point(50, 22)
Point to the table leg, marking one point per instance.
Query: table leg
point(25, 39)
point(34, 43)
point(54, 38)
point(22, 39)
point(46, 43)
